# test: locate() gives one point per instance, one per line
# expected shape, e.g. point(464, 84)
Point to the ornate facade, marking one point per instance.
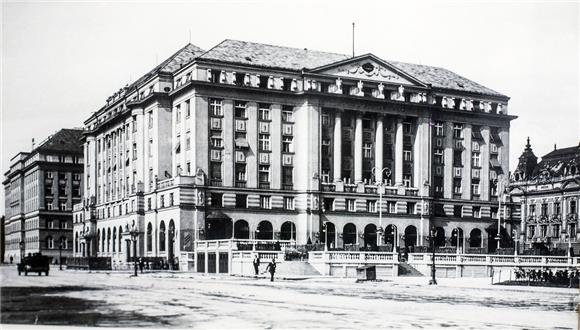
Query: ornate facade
point(41, 188)
point(548, 193)
point(254, 141)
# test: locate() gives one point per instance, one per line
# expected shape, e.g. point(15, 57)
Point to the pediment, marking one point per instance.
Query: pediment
point(368, 67)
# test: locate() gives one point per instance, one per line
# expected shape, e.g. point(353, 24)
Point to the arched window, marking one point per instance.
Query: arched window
point(120, 238)
point(109, 240)
point(149, 237)
point(390, 234)
point(265, 230)
point(114, 238)
point(410, 236)
point(63, 243)
point(288, 231)
point(171, 237)
point(457, 237)
point(49, 242)
point(77, 242)
point(349, 234)
point(103, 238)
point(241, 229)
point(162, 236)
point(370, 235)
point(328, 234)
point(439, 236)
point(475, 238)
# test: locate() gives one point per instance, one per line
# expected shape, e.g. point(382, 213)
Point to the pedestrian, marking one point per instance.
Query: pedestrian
point(11, 259)
point(256, 264)
point(272, 269)
point(141, 265)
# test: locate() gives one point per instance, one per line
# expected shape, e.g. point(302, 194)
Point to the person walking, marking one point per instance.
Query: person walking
point(272, 269)
point(256, 264)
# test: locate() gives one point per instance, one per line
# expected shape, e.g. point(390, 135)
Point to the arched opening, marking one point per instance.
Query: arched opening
point(103, 238)
point(410, 236)
point(241, 229)
point(349, 234)
point(76, 242)
point(108, 240)
point(171, 242)
point(218, 226)
point(162, 236)
point(457, 237)
point(505, 241)
point(390, 234)
point(288, 231)
point(439, 238)
point(265, 230)
point(370, 236)
point(149, 237)
point(114, 245)
point(120, 238)
point(329, 235)
point(475, 238)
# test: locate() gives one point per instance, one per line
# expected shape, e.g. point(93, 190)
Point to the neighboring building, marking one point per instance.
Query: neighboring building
point(2, 239)
point(548, 193)
point(258, 141)
point(41, 188)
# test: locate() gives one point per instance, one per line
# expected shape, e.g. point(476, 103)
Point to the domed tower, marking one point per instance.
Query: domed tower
point(526, 164)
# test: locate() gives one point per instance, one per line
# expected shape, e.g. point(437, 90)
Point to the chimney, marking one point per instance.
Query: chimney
point(33, 144)
point(554, 146)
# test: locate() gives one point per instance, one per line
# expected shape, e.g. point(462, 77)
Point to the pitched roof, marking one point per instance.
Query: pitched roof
point(270, 56)
point(557, 161)
point(66, 140)
point(172, 64)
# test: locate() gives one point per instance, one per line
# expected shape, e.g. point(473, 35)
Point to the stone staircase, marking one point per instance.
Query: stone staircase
point(295, 268)
point(407, 270)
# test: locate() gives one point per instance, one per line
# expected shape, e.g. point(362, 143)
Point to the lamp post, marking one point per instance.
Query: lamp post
point(60, 255)
point(456, 233)
point(516, 241)
point(380, 188)
point(325, 236)
point(134, 233)
point(21, 244)
point(432, 234)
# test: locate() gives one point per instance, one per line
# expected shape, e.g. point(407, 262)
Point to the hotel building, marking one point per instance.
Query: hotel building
point(254, 141)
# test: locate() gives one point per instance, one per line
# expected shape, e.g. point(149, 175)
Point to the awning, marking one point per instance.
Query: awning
point(242, 143)
point(178, 146)
point(217, 215)
point(476, 134)
point(494, 163)
point(494, 137)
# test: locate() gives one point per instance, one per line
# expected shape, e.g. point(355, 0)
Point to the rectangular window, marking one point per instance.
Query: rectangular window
point(458, 131)
point(217, 200)
point(438, 156)
point(475, 159)
point(150, 119)
point(161, 201)
point(150, 149)
point(287, 175)
point(215, 107)
point(475, 189)
point(439, 129)
point(241, 201)
point(265, 202)
point(407, 128)
point(240, 110)
point(241, 172)
point(350, 205)
point(391, 207)
point(371, 206)
point(216, 140)
point(457, 186)
point(544, 209)
point(328, 204)
point(557, 208)
point(457, 211)
point(216, 171)
point(264, 112)
point(493, 212)
point(264, 142)
point(477, 212)
point(411, 207)
point(178, 114)
point(287, 115)
point(287, 144)
point(573, 206)
point(368, 150)
point(325, 147)
point(171, 201)
point(148, 204)
point(325, 119)
point(324, 175)
point(187, 109)
point(134, 151)
point(407, 178)
point(264, 173)
point(289, 203)
point(407, 155)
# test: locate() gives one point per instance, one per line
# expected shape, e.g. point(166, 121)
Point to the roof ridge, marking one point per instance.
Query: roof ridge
point(287, 47)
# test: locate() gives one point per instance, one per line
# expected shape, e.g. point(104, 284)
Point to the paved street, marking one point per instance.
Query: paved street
point(194, 301)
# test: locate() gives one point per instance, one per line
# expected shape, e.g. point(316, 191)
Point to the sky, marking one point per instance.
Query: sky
point(61, 60)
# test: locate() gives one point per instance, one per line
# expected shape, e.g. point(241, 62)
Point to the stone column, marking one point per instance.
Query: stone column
point(448, 160)
point(228, 143)
point(399, 153)
point(484, 174)
point(466, 175)
point(358, 137)
point(379, 150)
point(139, 140)
point(337, 146)
point(252, 137)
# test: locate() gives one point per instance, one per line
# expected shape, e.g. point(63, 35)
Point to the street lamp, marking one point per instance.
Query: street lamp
point(516, 240)
point(325, 236)
point(380, 188)
point(456, 233)
point(432, 234)
point(21, 244)
point(134, 233)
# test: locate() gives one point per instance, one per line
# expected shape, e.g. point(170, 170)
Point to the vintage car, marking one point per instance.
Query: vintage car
point(36, 263)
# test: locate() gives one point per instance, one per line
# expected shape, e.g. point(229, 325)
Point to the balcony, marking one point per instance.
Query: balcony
point(241, 184)
point(328, 187)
